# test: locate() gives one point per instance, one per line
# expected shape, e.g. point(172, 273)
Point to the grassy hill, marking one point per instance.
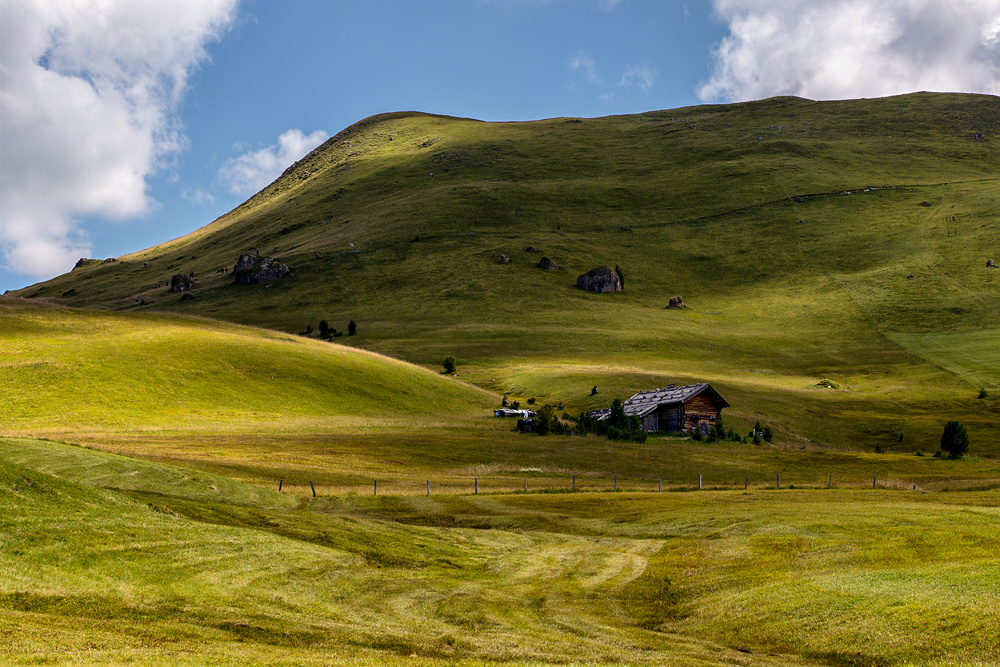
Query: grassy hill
point(70, 371)
point(789, 227)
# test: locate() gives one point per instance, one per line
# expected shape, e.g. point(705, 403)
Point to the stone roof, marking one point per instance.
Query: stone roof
point(644, 402)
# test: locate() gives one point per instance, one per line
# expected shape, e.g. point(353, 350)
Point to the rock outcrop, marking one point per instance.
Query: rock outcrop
point(601, 279)
point(676, 302)
point(255, 270)
point(548, 264)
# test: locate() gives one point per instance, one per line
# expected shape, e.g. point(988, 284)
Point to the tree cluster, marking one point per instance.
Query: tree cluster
point(326, 332)
point(618, 425)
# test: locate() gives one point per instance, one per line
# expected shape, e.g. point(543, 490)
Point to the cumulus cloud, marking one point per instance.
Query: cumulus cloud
point(88, 97)
point(854, 48)
point(254, 170)
point(641, 76)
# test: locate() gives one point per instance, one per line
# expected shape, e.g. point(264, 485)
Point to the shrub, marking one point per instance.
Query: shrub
point(983, 393)
point(449, 364)
point(621, 275)
point(352, 328)
point(324, 329)
point(954, 440)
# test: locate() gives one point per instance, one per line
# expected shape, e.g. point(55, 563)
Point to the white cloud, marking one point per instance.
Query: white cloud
point(581, 62)
point(198, 196)
point(642, 76)
point(854, 48)
point(88, 97)
point(609, 5)
point(254, 170)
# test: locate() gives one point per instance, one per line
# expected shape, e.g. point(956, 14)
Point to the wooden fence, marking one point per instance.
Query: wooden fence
point(582, 483)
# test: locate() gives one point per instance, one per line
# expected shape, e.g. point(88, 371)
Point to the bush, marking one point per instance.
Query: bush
point(352, 328)
point(449, 364)
point(983, 393)
point(954, 440)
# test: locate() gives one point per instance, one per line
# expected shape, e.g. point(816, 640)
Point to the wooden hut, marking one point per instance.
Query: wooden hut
point(695, 406)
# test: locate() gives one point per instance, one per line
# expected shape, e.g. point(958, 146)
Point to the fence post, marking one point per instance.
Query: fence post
point(374, 487)
point(746, 482)
point(615, 488)
point(873, 481)
point(280, 482)
point(477, 486)
point(313, 488)
point(830, 484)
point(779, 480)
point(428, 487)
point(574, 482)
point(699, 482)
point(661, 485)
point(525, 483)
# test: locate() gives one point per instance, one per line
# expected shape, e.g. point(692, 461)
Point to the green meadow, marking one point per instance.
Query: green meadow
point(198, 482)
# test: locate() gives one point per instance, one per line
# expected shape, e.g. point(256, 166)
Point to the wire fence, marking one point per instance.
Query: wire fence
point(583, 483)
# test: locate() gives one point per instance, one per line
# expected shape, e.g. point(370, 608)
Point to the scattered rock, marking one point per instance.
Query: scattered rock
point(925, 203)
point(531, 248)
point(179, 283)
point(83, 261)
point(255, 270)
point(602, 279)
point(827, 384)
point(547, 264)
point(910, 276)
point(990, 263)
point(504, 259)
point(676, 302)
point(69, 293)
point(187, 296)
point(145, 265)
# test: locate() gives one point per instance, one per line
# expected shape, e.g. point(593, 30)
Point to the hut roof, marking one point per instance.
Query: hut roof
point(644, 402)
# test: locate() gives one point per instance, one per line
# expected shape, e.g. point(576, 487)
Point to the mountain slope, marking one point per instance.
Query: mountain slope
point(790, 228)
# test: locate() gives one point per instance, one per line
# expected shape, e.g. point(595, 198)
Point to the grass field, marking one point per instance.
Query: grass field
point(118, 560)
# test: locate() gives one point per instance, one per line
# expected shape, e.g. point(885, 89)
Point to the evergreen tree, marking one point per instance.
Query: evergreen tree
point(352, 328)
point(954, 440)
point(449, 364)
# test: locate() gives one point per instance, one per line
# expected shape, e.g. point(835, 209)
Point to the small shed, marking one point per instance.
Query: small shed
point(695, 406)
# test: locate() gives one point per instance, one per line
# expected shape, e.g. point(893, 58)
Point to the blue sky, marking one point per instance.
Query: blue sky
point(124, 124)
